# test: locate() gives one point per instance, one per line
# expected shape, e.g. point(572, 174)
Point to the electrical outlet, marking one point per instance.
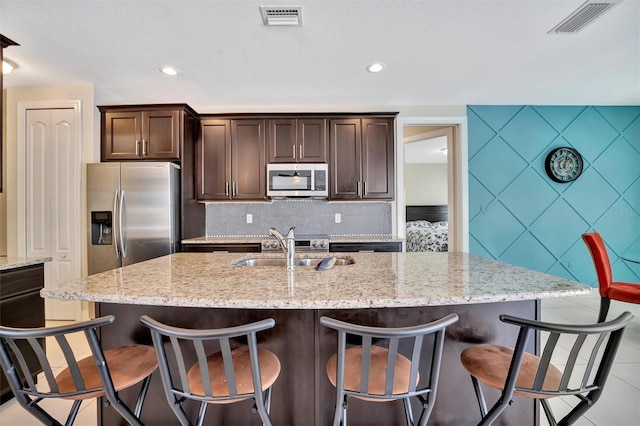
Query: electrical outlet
point(338, 218)
point(249, 218)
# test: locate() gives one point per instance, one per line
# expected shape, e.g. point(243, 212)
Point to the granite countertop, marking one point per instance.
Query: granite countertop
point(259, 238)
point(7, 263)
point(374, 280)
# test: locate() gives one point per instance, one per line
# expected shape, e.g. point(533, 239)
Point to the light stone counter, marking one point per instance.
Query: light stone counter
point(7, 263)
point(375, 280)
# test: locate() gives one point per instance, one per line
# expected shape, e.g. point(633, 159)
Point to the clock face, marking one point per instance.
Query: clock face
point(563, 165)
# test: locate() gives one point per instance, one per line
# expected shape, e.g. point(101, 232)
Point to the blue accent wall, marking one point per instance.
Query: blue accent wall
point(520, 216)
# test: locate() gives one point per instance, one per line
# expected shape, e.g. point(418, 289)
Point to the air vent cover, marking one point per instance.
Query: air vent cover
point(281, 15)
point(583, 16)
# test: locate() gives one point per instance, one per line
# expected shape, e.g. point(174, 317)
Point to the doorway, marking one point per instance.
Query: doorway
point(438, 134)
point(49, 169)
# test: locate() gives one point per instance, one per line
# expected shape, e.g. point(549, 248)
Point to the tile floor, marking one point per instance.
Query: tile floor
point(619, 405)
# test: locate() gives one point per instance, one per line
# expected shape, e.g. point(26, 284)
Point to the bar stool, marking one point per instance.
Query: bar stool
point(513, 371)
point(105, 373)
point(227, 376)
point(608, 288)
point(380, 372)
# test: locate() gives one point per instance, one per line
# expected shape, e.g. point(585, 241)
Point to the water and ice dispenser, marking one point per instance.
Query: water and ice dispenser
point(101, 228)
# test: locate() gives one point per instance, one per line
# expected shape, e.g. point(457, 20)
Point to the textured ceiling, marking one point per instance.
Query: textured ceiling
point(436, 52)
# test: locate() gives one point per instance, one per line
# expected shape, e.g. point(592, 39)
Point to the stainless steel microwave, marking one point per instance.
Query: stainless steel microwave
point(298, 180)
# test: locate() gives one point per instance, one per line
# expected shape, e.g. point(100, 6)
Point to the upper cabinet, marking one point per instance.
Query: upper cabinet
point(143, 132)
point(362, 158)
point(297, 140)
point(231, 159)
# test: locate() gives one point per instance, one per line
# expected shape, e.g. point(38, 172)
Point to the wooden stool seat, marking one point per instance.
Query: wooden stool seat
point(128, 365)
point(269, 371)
point(490, 364)
point(377, 372)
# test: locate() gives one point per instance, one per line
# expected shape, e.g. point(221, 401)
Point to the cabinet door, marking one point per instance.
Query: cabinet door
point(214, 160)
point(344, 149)
point(312, 142)
point(377, 158)
point(122, 136)
point(248, 157)
point(161, 135)
point(282, 141)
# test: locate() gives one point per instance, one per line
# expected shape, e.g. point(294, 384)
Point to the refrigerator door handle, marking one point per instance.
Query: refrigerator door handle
point(123, 246)
point(114, 227)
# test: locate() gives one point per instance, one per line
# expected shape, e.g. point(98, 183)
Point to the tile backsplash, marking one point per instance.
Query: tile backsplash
point(308, 216)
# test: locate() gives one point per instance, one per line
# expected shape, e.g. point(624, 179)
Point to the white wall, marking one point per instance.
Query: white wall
point(425, 184)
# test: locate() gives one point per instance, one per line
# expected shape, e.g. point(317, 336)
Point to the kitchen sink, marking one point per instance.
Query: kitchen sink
point(340, 261)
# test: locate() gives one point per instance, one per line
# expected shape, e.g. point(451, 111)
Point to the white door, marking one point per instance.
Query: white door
point(52, 197)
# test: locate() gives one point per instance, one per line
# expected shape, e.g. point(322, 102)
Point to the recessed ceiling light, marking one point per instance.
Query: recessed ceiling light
point(8, 66)
point(168, 71)
point(375, 67)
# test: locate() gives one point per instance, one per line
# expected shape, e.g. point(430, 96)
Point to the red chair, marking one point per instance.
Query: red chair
point(609, 289)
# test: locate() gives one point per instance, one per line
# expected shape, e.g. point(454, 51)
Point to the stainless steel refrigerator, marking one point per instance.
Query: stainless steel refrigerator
point(134, 212)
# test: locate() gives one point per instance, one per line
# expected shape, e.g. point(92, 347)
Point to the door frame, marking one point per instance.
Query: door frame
point(21, 178)
point(457, 174)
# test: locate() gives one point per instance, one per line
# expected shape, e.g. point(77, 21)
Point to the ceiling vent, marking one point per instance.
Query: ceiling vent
point(583, 16)
point(281, 15)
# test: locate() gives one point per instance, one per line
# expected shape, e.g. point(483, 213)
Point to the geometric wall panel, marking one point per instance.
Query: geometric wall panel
point(518, 215)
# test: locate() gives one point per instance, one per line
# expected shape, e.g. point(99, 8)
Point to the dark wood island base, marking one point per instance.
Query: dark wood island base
point(303, 395)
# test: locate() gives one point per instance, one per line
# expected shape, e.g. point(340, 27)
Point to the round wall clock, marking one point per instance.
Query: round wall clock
point(563, 165)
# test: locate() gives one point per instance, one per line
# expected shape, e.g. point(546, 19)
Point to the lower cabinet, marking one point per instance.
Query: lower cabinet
point(21, 306)
point(226, 248)
point(390, 246)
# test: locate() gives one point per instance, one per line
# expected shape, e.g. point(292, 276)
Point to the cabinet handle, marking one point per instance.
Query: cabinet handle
point(358, 188)
point(144, 147)
point(137, 147)
point(294, 151)
point(364, 188)
point(226, 189)
point(300, 149)
point(234, 188)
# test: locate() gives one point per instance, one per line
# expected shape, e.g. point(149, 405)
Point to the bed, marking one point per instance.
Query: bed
point(427, 228)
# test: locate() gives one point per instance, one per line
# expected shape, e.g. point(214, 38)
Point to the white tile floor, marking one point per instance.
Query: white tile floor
point(619, 405)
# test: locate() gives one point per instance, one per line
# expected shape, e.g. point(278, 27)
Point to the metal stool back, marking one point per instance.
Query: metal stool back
point(380, 372)
point(227, 367)
point(516, 372)
point(103, 374)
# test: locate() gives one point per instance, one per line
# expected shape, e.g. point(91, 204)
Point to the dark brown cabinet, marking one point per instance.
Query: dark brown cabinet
point(21, 306)
point(361, 158)
point(387, 246)
point(142, 133)
point(301, 140)
point(159, 132)
point(222, 248)
point(231, 159)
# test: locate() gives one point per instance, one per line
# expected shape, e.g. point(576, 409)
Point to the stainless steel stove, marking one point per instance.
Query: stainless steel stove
point(304, 243)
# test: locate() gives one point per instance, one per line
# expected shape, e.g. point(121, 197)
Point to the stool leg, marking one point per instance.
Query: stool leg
point(479, 396)
point(407, 411)
point(201, 413)
point(141, 396)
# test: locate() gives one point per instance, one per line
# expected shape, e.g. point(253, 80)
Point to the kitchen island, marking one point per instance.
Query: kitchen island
point(207, 290)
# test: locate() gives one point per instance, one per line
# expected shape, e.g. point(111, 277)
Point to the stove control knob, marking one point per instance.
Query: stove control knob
point(266, 244)
point(314, 244)
point(323, 244)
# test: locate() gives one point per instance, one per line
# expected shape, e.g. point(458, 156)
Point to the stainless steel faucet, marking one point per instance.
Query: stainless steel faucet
point(288, 245)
